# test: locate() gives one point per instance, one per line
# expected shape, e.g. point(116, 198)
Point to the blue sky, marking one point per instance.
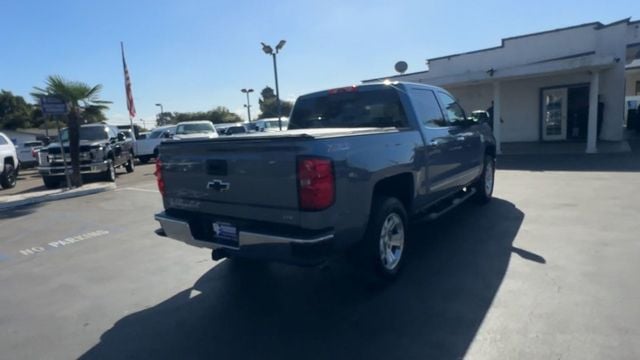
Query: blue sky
point(195, 55)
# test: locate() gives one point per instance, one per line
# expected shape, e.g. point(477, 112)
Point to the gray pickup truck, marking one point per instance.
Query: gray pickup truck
point(356, 166)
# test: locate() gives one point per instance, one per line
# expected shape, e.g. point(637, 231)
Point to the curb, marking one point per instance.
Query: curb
point(63, 194)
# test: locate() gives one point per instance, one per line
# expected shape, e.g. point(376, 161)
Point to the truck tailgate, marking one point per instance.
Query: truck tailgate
point(230, 176)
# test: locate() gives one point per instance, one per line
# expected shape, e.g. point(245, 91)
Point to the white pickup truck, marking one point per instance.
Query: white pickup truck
point(147, 148)
point(8, 162)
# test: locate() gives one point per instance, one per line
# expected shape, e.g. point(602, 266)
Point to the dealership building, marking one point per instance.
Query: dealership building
point(573, 84)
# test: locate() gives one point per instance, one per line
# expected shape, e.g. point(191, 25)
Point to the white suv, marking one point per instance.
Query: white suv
point(8, 162)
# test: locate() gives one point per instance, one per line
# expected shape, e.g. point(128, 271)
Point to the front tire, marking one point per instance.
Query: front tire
point(130, 166)
point(8, 177)
point(51, 182)
point(110, 174)
point(383, 248)
point(484, 185)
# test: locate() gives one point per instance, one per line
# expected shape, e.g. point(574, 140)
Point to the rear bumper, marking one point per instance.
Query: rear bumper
point(302, 250)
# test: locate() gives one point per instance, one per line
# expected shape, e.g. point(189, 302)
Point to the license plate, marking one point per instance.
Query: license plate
point(225, 234)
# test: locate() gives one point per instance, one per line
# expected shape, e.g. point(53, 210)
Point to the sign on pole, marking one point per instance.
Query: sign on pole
point(52, 105)
point(55, 106)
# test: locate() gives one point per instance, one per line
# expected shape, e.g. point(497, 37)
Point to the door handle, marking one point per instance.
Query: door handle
point(461, 138)
point(433, 143)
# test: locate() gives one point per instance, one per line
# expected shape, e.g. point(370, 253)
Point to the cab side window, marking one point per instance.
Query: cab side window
point(427, 109)
point(453, 112)
point(3, 141)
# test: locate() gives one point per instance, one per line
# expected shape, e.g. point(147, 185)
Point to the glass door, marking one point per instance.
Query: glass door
point(554, 114)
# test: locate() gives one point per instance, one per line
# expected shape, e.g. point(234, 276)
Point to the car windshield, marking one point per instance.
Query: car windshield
point(353, 109)
point(88, 133)
point(195, 128)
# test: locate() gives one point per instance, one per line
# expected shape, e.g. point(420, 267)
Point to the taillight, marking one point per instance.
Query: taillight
point(316, 183)
point(159, 178)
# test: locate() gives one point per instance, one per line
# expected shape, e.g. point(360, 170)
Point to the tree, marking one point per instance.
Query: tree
point(269, 105)
point(218, 115)
point(15, 112)
point(83, 100)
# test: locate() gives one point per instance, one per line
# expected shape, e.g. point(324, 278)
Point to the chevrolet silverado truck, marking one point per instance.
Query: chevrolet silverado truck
point(355, 168)
point(102, 149)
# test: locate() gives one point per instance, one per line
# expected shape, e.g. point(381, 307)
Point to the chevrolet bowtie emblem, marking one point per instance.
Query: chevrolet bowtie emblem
point(218, 185)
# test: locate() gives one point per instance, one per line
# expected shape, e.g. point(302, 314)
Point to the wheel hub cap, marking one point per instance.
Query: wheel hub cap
point(391, 241)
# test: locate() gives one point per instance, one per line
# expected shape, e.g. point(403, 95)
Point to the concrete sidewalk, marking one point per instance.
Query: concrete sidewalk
point(12, 201)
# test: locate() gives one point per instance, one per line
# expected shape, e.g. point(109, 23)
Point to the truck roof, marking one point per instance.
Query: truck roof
point(372, 86)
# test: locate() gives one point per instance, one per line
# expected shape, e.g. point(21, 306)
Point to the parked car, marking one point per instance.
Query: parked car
point(147, 148)
point(234, 130)
point(270, 124)
point(9, 163)
point(26, 152)
point(202, 129)
point(102, 149)
point(356, 165)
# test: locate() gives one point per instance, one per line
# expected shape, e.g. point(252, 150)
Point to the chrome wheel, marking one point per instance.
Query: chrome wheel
point(391, 241)
point(111, 172)
point(488, 178)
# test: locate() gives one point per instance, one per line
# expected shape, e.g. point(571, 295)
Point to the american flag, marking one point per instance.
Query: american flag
point(127, 86)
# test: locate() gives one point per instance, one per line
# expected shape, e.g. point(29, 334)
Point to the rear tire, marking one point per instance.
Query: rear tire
point(382, 251)
point(51, 182)
point(144, 159)
point(130, 166)
point(8, 177)
point(484, 185)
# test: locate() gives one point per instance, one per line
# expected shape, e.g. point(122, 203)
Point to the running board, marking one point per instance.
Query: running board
point(454, 203)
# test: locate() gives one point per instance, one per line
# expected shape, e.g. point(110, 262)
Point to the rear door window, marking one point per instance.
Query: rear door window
point(352, 109)
point(427, 108)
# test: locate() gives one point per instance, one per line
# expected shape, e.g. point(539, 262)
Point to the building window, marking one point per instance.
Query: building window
point(637, 87)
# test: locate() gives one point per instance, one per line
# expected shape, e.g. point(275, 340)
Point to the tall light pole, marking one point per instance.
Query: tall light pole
point(248, 106)
point(161, 112)
point(269, 51)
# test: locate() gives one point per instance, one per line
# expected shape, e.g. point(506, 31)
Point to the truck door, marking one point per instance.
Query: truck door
point(441, 152)
point(467, 137)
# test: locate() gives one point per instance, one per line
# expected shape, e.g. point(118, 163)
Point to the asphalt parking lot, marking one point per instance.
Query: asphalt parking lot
point(547, 270)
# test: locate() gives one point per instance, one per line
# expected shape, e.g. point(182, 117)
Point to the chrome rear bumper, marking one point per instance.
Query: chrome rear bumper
point(179, 229)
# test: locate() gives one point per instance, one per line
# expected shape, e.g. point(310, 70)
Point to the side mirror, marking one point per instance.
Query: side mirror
point(122, 136)
point(167, 135)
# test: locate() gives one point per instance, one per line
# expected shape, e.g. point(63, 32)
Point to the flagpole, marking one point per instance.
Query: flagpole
point(130, 118)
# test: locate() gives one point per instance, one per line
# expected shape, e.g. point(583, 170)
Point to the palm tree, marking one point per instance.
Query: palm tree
point(82, 99)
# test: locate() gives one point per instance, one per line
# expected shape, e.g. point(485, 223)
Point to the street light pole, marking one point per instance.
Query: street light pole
point(269, 51)
point(275, 71)
point(161, 112)
point(248, 106)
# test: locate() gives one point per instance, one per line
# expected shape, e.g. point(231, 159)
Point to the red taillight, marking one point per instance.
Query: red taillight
point(159, 178)
point(316, 185)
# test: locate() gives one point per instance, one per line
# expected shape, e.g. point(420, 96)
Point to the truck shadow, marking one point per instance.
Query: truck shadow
point(434, 310)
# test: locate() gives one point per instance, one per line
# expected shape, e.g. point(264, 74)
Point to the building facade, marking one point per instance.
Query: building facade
point(566, 84)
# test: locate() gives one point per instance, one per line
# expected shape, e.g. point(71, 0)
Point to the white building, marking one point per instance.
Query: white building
point(560, 85)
